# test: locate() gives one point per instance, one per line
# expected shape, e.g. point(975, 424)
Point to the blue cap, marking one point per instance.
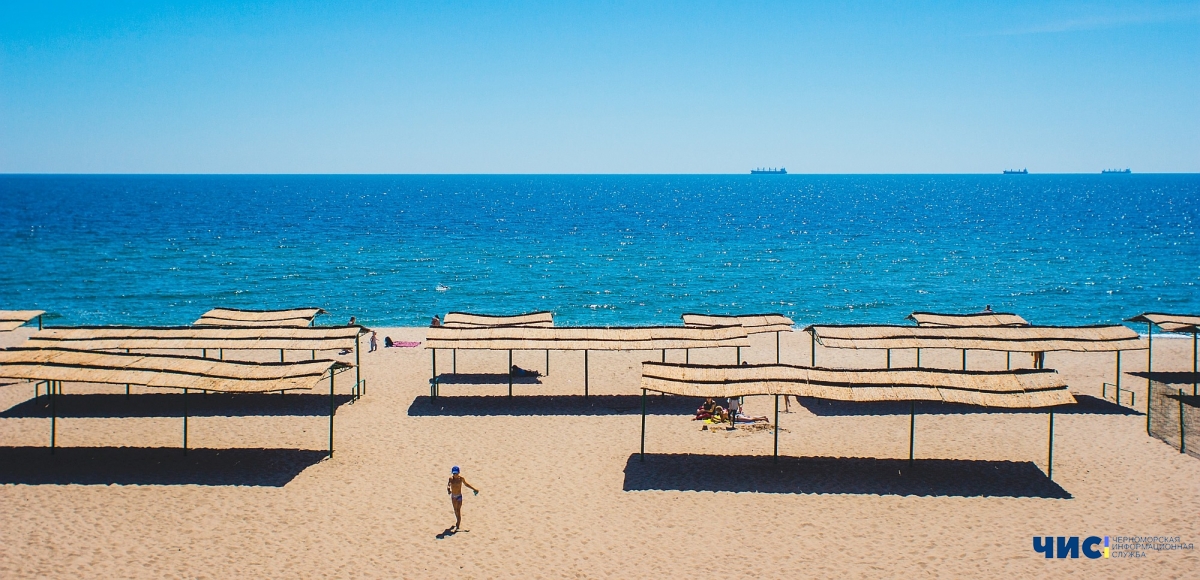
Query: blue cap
point(454, 470)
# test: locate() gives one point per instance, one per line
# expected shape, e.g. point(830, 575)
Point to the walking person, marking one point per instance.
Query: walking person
point(374, 342)
point(454, 488)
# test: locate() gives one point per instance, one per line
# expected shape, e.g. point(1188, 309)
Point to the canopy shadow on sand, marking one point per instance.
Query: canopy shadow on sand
point(839, 475)
point(485, 379)
point(526, 405)
point(154, 466)
point(1084, 405)
point(105, 405)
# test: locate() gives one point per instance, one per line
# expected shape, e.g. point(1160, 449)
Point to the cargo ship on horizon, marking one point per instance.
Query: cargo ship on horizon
point(1016, 172)
point(1126, 170)
point(771, 171)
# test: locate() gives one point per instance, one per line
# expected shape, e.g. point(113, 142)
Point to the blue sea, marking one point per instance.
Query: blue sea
point(600, 250)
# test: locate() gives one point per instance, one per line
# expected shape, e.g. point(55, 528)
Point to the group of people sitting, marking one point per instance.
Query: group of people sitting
point(732, 413)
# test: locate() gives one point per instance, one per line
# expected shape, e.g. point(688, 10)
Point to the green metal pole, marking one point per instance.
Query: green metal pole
point(664, 355)
point(332, 408)
point(687, 356)
point(185, 418)
point(812, 355)
point(433, 379)
point(912, 430)
point(776, 428)
point(889, 358)
point(126, 390)
point(776, 347)
point(918, 358)
point(1008, 360)
point(585, 376)
point(1149, 370)
point(1195, 353)
point(642, 453)
point(1118, 395)
point(964, 359)
point(53, 413)
point(454, 361)
point(1050, 454)
point(281, 355)
point(357, 365)
point(1182, 433)
point(547, 362)
point(738, 356)
point(39, 322)
point(221, 353)
point(510, 373)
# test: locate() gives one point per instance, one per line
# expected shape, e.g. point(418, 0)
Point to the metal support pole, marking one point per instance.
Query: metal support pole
point(185, 418)
point(39, 322)
point(812, 355)
point(918, 358)
point(332, 408)
point(1008, 360)
point(1182, 433)
point(454, 361)
point(221, 353)
point(357, 366)
point(126, 390)
point(664, 355)
point(1117, 397)
point(53, 412)
point(547, 362)
point(510, 373)
point(281, 355)
point(912, 430)
point(687, 356)
point(1149, 369)
point(739, 356)
point(889, 358)
point(642, 453)
point(776, 347)
point(204, 353)
point(1195, 354)
point(777, 428)
point(964, 359)
point(585, 375)
point(1050, 454)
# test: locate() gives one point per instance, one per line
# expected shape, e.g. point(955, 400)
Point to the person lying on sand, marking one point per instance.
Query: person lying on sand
point(454, 488)
point(520, 372)
point(744, 418)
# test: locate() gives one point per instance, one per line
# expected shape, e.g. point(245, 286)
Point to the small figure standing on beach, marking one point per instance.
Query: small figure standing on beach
point(436, 323)
point(454, 488)
point(351, 321)
point(374, 342)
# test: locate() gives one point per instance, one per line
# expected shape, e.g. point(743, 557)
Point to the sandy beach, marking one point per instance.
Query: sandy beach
point(564, 492)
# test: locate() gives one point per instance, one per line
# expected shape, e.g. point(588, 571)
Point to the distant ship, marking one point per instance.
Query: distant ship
point(760, 170)
point(1116, 171)
point(1016, 172)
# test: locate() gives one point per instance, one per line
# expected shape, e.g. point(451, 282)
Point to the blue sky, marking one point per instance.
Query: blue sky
point(598, 87)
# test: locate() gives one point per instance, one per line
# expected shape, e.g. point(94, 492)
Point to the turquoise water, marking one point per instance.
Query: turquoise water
point(1057, 249)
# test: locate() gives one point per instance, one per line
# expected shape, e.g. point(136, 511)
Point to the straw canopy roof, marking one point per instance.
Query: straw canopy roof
point(753, 323)
point(468, 320)
point(202, 337)
point(1170, 322)
point(236, 317)
point(14, 319)
point(165, 371)
point(1016, 389)
point(585, 338)
point(998, 338)
point(976, 319)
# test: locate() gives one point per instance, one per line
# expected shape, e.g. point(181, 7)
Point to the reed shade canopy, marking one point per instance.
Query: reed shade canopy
point(585, 338)
point(1015, 389)
point(468, 320)
point(997, 338)
point(162, 371)
point(1012, 389)
point(753, 323)
point(933, 319)
point(13, 319)
point(1169, 322)
point(197, 337)
point(294, 317)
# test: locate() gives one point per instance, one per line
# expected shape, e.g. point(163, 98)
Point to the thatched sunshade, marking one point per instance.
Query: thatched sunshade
point(14, 319)
point(468, 320)
point(585, 338)
point(753, 323)
point(1003, 338)
point(582, 338)
point(54, 366)
point(1024, 389)
point(298, 317)
point(1182, 323)
point(203, 337)
point(1020, 389)
point(934, 319)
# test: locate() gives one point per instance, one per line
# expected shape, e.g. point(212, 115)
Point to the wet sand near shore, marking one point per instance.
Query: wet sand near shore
point(564, 491)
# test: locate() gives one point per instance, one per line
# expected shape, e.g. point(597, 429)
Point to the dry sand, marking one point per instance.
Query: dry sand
point(563, 491)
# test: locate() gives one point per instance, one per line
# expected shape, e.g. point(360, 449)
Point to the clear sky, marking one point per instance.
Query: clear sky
point(599, 87)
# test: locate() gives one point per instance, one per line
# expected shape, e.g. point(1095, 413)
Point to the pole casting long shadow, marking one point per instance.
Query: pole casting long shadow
point(842, 475)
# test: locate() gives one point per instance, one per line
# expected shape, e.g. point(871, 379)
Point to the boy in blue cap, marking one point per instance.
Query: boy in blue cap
point(454, 488)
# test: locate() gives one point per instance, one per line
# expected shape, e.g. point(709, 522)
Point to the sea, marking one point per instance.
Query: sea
point(599, 249)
